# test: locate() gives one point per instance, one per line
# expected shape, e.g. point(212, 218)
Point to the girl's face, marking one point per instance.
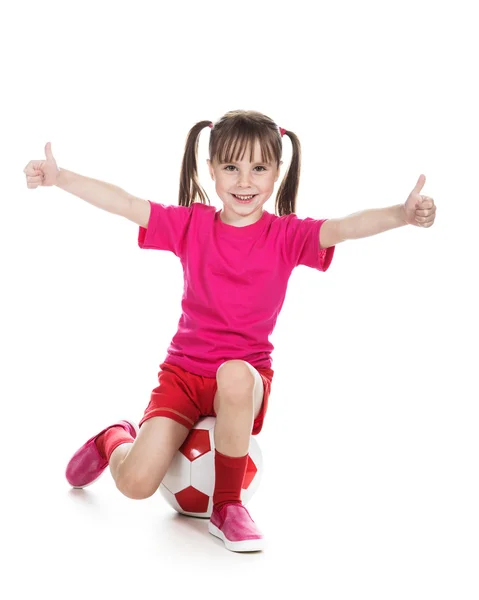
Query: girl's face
point(244, 187)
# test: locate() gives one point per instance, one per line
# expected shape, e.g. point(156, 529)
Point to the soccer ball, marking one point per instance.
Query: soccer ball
point(189, 482)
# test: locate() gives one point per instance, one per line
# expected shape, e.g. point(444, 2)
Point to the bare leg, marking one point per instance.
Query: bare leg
point(139, 468)
point(237, 402)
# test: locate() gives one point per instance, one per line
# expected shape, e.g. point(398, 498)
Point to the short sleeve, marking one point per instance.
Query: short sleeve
point(166, 227)
point(303, 247)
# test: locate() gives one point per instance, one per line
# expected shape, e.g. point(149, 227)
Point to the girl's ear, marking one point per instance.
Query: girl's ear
point(210, 167)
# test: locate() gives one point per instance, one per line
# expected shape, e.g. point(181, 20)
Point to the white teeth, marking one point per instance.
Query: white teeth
point(244, 197)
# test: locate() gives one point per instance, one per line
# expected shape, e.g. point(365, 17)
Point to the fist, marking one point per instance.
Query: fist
point(419, 210)
point(42, 172)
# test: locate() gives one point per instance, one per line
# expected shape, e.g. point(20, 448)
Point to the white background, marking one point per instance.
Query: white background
point(370, 487)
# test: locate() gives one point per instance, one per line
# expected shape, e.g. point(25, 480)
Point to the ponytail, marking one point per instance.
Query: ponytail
point(288, 190)
point(190, 188)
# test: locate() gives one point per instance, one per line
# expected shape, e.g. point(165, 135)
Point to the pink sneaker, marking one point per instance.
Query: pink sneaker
point(233, 524)
point(86, 465)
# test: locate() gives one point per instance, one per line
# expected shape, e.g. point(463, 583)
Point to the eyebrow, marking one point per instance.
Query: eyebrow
point(232, 162)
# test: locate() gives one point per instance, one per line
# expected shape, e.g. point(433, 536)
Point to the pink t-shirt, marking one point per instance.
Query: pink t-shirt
point(235, 280)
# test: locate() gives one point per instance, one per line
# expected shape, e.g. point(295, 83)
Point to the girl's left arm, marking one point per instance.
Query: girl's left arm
point(418, 210)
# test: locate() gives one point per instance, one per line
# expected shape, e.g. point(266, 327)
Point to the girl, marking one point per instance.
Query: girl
point(236, 262)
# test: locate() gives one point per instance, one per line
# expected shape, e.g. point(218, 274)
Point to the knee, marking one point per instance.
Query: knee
point(136, 486)
point(236, 381)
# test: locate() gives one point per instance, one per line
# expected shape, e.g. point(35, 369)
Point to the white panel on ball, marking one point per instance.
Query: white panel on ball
point(178, 475)
point(203, 473)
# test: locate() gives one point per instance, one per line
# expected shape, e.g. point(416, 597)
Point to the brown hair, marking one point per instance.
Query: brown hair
point(230, 137)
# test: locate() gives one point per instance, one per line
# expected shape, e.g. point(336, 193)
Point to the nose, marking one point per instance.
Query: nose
point(243, 179)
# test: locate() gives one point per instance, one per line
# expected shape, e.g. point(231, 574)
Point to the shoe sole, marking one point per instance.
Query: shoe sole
point(81, 487)
point(243, 546)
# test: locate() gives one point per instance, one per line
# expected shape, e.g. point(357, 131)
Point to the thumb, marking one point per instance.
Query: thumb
point(48, 151)
point(420, 184)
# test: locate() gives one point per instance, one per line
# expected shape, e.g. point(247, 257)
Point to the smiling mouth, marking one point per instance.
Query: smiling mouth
point(245, 199)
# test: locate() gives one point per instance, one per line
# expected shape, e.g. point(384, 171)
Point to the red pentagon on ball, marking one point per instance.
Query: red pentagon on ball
point(192, 500)
point(196, 444)
point(249, 474)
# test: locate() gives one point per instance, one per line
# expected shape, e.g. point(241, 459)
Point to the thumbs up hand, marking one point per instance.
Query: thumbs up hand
point(42, 172)
point(419, 210)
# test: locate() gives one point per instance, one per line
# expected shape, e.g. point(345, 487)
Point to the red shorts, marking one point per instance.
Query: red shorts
point(186, 397)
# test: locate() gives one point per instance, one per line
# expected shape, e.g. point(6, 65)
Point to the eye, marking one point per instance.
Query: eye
point(231, 168)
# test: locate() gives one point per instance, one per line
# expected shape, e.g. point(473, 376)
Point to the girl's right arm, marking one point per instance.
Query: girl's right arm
point(99, 193)
point(105, 195)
